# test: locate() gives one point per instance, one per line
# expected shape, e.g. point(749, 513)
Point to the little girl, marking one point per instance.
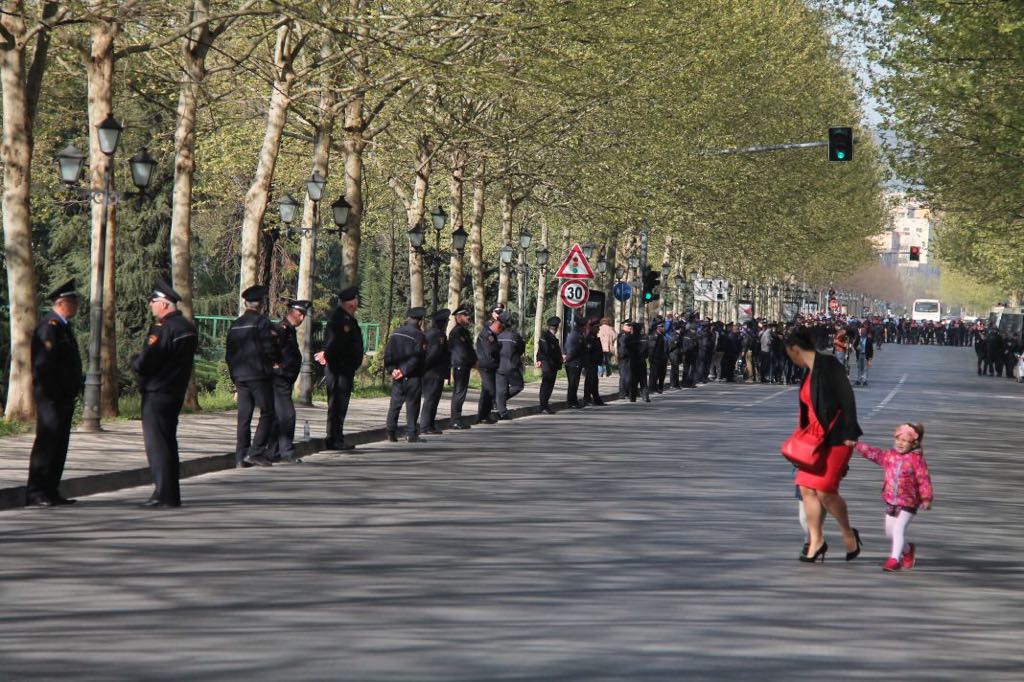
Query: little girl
point(907, 486)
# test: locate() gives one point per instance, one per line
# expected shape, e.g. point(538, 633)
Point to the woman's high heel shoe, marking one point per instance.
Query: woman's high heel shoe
point(819, 555)
point(850, 556)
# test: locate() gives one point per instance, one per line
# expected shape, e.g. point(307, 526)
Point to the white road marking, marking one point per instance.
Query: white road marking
point(886, 399)
point(762, 400)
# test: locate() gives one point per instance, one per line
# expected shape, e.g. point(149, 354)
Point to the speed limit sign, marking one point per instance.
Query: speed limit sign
point(574, 293)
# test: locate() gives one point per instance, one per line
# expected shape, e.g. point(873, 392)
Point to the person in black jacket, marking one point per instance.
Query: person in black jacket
point(282, 439)
point(463, 359)
point(252, 356)
point(164, 368)
point(658, 354)
point(575, 354)
point(341, 356)
point(403, 358)
point(436, 368)
point(488, 357)
point(994, 349)
point(56, 382)
point(825, 399)
point(508, 379)
point(593, 358)
point(549, 360)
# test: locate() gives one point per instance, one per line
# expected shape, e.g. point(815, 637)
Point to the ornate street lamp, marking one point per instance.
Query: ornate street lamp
point(438, 217)
point(459, 239)
point(315, 186)
point(340, 210)
point(525, 239)
point(602, 265)
point(416, 236)
point(588, 251)
point(634, 262)
point(287, 207)
point(142, 165)
point(542, 256)
point(505, 253)
point(70, 163)
point(108, 133)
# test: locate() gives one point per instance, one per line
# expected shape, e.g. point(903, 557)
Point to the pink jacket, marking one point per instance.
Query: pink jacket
point(906, 482)
point(608, 337)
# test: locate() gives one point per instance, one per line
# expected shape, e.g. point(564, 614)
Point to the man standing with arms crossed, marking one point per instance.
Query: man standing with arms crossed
point(342, 356)
point(56, 381)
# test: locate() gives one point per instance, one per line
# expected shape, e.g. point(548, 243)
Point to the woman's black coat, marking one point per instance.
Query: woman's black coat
point(830, 394)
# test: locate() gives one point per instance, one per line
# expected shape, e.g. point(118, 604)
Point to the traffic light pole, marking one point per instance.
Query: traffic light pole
point(761, 148)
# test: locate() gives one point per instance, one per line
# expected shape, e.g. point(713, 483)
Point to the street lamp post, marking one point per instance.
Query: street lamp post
point(525, 239)
point(288, 207)
point(71, 163)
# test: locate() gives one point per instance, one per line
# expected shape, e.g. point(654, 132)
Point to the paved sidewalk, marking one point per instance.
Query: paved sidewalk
point(116, 458)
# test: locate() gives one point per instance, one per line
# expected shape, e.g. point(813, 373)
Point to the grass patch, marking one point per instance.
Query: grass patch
point(8, 428)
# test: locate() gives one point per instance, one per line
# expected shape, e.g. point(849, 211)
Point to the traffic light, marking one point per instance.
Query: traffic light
point(915, 253)
point(652, 280)
point(840, 144)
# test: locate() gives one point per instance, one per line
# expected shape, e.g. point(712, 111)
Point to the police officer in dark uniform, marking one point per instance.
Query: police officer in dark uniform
point(164, 368)
point(56, 381)
point(436, 368)
point(593, 359)
point(575, 356)
point(463, 359)
point(282, 440)
point(403, 358)
point(488, 357)
point(549, 360)
point(253, 356)
point(639, 348)
point(342, 355)
point(508, 380)
point(658, 354)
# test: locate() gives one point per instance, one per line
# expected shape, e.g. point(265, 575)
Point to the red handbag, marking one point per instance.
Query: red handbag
point(806, 448)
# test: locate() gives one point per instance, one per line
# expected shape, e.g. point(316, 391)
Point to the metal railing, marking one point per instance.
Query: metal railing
point(213, 333)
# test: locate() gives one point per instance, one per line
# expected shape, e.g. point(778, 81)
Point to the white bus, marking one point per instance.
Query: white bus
point(926, 310)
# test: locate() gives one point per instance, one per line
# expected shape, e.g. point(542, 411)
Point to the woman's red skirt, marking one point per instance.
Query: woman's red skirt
point(826, 478)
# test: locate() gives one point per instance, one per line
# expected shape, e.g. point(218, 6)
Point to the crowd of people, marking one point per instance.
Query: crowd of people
point(264, 360)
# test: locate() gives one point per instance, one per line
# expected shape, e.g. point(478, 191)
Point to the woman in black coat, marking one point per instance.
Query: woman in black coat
point(826, 398)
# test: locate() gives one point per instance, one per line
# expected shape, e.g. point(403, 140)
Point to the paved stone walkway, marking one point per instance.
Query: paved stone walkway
point(116, 458)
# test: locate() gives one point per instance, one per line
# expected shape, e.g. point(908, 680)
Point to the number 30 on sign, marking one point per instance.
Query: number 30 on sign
point(574, 293)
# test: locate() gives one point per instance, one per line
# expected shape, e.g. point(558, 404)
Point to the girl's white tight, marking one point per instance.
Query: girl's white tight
point(896, 529)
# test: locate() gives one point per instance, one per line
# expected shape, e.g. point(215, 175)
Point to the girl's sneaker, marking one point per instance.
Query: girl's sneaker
point(909, 558)
point(891, 564)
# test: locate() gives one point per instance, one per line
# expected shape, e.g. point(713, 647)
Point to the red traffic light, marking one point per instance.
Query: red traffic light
point(915, 253)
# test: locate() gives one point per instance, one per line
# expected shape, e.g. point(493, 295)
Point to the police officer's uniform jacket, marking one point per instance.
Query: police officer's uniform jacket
point(252, 348)
point(343, 343)
point(165, 364)
point(460, 343)
point(56, 363)
point(406, 351)
point(549, 352)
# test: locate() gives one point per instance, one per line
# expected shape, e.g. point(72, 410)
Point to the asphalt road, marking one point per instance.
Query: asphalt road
point(630, 542)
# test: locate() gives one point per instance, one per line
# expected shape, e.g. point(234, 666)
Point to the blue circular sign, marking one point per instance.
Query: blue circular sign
point(622, 291)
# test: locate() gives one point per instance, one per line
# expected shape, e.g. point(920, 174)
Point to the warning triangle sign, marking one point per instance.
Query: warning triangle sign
point(575, 265)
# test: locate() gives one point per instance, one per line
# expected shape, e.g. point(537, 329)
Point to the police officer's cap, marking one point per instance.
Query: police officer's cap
point(349, 294)
point(498, 308)
point(504, 317)
point(554, 321)
point(416, 313)
point(463, 310)
point(301, 306)
point(629, 322)
point(254, 294)
point(442, 315)
point(162, 289)
point(66, 290)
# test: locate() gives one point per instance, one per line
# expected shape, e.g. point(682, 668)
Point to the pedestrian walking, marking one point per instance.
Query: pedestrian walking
point(252, 356)
point(436, 368)
point(342, 355)
point(56, 383)
point(282, 438)
point(164, 368)
point(403, 359)
point(549, 360)
point(864, 348)
point(826, 400)
point(906, 487)
point(463, 359)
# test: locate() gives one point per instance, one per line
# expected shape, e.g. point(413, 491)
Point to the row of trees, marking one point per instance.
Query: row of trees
point(582, 121)
point(947, 76)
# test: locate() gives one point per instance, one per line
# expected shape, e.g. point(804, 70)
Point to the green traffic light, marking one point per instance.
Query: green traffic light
point(648, 296)
point(840, 155)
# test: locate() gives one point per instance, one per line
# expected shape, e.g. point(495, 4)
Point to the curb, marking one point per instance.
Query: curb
point(82, 486)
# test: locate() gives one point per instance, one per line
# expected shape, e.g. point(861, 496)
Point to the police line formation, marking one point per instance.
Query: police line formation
point(264, 362)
